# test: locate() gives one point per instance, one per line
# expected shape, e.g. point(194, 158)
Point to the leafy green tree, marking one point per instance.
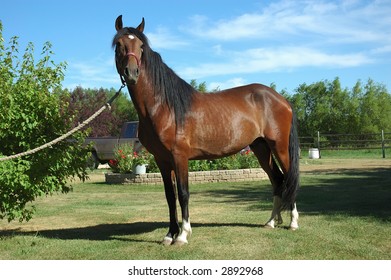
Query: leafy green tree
point(375, 108)
point(200, 87)
point(84, 102)
point(354, 117)
point(326, 107)
point(311, 110)
point(31, 115)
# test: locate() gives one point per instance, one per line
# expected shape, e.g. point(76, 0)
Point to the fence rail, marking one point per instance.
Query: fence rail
point(326, 141)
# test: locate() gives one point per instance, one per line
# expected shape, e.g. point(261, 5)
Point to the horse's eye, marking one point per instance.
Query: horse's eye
point(121, 49)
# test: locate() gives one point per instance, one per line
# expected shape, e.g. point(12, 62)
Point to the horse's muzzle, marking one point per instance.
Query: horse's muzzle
point(131, 74)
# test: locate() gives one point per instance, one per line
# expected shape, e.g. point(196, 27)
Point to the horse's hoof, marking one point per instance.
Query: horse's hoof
point(179, 243)
point(293, 228)
point(167, 241)
point(268, 226)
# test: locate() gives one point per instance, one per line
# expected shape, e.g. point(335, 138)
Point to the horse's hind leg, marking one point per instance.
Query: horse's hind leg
point(264, 155)
point(281, 153)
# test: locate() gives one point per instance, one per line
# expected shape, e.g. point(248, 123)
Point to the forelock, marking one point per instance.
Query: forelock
point(130, 31)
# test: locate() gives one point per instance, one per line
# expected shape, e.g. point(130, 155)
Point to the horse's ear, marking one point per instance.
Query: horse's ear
point(141, 26)
point(118, 23)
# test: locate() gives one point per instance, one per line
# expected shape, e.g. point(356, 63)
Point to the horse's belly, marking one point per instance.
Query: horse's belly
point(215, 143)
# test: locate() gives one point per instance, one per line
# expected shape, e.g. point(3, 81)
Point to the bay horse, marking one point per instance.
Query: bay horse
point(178, 124)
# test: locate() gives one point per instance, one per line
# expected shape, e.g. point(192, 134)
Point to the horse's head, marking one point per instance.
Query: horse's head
point(128, 51)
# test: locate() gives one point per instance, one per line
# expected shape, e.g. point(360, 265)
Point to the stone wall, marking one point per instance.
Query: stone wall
point(199, 177)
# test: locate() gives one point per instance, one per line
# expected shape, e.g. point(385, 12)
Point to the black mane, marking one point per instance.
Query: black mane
point(168, 86)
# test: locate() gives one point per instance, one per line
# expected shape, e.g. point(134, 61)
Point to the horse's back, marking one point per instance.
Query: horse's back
point(259, 92)
point(226, 121)
point(257, 101)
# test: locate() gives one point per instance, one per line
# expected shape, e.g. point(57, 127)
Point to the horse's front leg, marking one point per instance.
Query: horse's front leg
point(182, 180)
point(169, 189)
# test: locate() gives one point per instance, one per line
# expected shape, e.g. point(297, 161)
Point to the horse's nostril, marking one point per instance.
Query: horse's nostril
point(126, 72)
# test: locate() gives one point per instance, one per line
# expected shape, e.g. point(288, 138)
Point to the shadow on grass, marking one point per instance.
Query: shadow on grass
point(327, 192)
point(105, 232)
point(350, 192)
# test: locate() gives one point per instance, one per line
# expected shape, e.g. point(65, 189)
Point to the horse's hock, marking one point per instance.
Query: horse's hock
point(198, 177)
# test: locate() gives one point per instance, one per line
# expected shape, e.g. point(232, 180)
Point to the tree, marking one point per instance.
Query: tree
point(31, 115)
point(325, 106)
point(84, 102)
point(375, 108)
point(202, 87)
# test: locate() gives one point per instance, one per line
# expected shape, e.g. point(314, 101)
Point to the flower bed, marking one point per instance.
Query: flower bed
point(239, 167)
point(199, 177)
point(126, 159)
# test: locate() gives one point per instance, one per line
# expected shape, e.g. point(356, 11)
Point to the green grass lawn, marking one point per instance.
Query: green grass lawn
point(353, 154)
point(344, 214)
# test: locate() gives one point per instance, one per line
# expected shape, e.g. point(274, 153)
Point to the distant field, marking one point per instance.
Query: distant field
point(336, 154)
point(344, 205)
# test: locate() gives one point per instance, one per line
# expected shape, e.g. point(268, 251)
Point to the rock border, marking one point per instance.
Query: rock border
point(198, 177)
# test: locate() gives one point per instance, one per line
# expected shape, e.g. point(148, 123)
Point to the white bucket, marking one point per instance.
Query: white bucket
point(140, 169)
point(313, 153)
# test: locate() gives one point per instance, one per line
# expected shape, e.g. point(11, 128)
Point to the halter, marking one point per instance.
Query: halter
point(138, 61)
point(132, 54)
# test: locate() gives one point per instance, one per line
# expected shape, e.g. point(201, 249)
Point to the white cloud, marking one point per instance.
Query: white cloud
point(96, 73)
point(217, 49)
point(287, 35)
point(235, 82)
point(273, 60)
point(382, 50)
point(163, 39)
point(346, 21)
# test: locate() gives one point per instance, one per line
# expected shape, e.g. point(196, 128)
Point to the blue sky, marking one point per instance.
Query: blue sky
point(224, 43)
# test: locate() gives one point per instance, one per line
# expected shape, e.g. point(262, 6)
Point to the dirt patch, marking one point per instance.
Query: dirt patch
point(346, 164)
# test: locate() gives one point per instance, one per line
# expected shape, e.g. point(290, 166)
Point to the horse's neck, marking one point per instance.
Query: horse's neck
point(147, 105)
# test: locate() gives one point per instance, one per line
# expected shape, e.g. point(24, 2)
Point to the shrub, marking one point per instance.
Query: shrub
point(243, 160)
point(31, 115)
point(247, 159)
point(126, 159)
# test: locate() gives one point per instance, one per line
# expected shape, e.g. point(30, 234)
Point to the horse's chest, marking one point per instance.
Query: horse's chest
point(156, 142)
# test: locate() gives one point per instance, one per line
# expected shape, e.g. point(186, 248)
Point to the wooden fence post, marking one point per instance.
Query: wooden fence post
point(318, 144)
point(382, 144)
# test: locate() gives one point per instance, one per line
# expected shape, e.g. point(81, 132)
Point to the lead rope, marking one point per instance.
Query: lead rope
point(59, 139)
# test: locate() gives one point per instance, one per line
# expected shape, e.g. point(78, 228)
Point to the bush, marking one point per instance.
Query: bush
point(31, 114)
point(126, 159)
point(242, 160)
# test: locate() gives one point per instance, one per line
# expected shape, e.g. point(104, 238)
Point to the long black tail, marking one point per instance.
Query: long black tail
point(292, 180)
